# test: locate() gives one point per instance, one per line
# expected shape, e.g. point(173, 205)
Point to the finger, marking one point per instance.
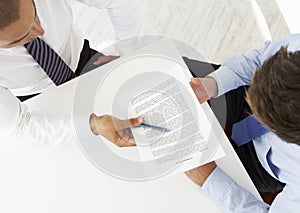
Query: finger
point(105, 59)
point(131, 142)
point(124, 124)
point(101, 60)
point(127, 139)
point(199, 90)
point(126, 142)
point(126, 133)
point(195, 81)
point(187, 173)
point(130, 134)
point(136, 121)
point(196, 84)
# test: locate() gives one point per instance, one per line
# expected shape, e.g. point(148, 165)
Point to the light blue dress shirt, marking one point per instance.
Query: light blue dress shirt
point(280, 159)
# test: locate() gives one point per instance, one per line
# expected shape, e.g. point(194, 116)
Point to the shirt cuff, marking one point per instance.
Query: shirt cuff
point(222, 76)
point(217, 184)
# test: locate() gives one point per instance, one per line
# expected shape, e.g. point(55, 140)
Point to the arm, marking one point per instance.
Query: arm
point(18, 123)
point(214, 183)
point(222, 189)
point(231, 197)
point(124, 16)
point(239, 69)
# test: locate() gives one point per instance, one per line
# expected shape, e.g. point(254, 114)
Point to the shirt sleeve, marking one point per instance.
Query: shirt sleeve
point(124, 16)
point(229, 196)
point(18, 123)
point(238, 70)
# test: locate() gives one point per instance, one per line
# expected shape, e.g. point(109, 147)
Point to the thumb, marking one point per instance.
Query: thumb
point(195, 81)
point(124, 124)
point(196, 85)
point(199, 90)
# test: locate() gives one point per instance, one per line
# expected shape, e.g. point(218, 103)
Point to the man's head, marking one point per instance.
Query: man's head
point(274, 95)
point(19, 23)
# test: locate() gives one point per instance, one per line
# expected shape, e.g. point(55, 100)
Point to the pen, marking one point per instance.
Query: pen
point(148, 126)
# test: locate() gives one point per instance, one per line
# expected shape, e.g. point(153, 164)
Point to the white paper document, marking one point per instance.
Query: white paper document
point(166, 100)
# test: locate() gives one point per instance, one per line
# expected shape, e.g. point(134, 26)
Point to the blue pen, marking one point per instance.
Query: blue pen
point(148, 126)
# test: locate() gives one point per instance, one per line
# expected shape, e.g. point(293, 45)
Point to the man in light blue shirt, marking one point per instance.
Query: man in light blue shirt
point(274, 97)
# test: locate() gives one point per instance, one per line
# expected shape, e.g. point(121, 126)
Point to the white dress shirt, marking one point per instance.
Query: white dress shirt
point(279, 159)
point(20, 74)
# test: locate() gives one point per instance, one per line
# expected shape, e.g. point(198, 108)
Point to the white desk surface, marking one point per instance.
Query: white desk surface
point(35, 178)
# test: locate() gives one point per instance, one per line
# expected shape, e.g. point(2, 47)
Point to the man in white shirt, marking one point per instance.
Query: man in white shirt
point(22, 74)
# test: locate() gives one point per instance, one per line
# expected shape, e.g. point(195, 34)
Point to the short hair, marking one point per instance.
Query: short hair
point(9, 12)
point(274, 95)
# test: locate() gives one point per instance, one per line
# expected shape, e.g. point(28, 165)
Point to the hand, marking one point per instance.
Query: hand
point(201, 173)
point(115, 130)
point(105, 59)
point(204, 88)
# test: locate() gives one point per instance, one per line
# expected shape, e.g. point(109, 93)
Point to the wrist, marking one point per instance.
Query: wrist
point(200, 174)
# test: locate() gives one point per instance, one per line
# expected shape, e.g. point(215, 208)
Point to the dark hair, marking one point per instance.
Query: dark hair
point(9, 12)
point(274, 95)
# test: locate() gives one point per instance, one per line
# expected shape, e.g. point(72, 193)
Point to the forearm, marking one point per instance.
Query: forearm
point(51, 131)
point(237, 71)
point(222, 189)
point(19, 123)
point(229, 196)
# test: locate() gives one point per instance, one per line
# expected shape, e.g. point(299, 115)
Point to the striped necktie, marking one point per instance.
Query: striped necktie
point(57, 70)
point(247, 130)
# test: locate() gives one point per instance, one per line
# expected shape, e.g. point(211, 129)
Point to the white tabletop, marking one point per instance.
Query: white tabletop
point(35, 178)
